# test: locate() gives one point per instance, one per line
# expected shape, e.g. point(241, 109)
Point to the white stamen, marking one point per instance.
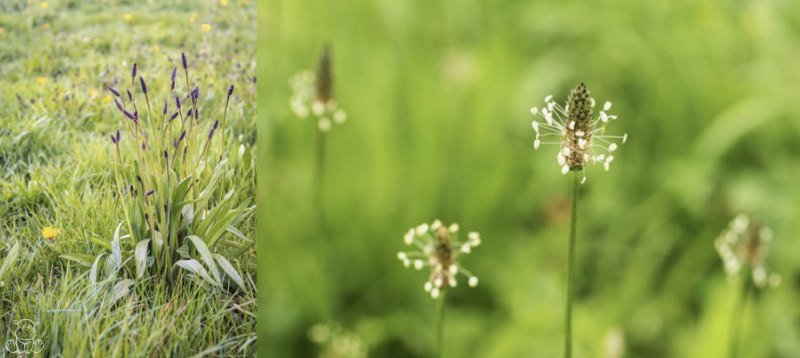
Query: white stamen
point(453, 228)
point(473, 281)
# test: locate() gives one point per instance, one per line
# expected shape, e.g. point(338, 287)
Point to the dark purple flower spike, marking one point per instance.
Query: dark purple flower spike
point(119, 105)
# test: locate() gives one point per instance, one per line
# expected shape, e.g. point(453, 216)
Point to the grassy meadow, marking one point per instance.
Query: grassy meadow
point(79, 279)
point(437, 95)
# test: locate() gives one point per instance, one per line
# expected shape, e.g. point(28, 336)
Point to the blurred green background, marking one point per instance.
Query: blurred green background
point(438, 96)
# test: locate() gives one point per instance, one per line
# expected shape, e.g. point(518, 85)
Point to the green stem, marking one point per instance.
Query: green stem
point(576, 182)
point(319, 173)
point(325, 245)
point(440, 324)
point(737, 317)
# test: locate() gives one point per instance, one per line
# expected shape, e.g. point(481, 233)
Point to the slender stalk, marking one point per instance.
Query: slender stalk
point(737, 317)
point(319, 173)
point(576, 182)
point(319, 207)
point(440, 324)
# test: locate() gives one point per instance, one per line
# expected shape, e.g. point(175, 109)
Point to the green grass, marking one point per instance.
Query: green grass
point(437, 95)
point(57, 169)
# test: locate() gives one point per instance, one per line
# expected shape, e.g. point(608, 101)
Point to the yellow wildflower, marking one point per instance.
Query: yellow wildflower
point(44, 5)
point(193, 17)
point(205, 27)
point(41, 80)
point(223, 2)
point(50, 233)
point(128, 17)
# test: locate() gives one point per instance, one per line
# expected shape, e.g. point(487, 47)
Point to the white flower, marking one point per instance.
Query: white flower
point(440, 249)
point(745, 244)
point(580, 136)
point(304, 102)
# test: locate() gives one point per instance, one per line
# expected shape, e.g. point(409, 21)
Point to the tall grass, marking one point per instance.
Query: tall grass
point(59, 169)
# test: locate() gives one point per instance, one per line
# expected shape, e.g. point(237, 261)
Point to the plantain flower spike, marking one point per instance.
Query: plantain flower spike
point(580, 135)
point(312, 94)
point(744, 246)
point(439, 248)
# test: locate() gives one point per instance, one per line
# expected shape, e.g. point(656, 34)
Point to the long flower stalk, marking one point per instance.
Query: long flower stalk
point(439, 247)
point(582, 140)
point(737, 317)
point(576, 181)
point(440, 305)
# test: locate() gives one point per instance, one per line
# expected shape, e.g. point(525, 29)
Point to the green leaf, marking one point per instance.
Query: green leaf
point(121, 289)
point(83, 260)
point(194, 267)
point(10, 258)
point(230, 270)
point(140, 254)
point(100, 242)
point(95, 268)
point(238, 233)
point(116, 252)
point(187, 213)
point(183, 251)
point(206, 255)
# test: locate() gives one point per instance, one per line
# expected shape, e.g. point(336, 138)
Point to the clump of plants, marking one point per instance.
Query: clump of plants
point(173, 185)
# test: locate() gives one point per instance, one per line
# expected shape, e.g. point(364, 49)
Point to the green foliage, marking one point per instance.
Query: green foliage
point(171, 182)
point(437, 95)
point(57, 168)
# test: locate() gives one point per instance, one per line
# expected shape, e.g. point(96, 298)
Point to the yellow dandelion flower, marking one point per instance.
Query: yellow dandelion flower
point(223, 2)
point(41, 80)
point(44, 5)
point(49, 233)
point(193, 17)
point(205, 27)
point(128, 17)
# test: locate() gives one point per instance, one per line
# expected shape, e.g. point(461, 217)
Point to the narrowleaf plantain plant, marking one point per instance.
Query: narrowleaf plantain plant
point(172, 172)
